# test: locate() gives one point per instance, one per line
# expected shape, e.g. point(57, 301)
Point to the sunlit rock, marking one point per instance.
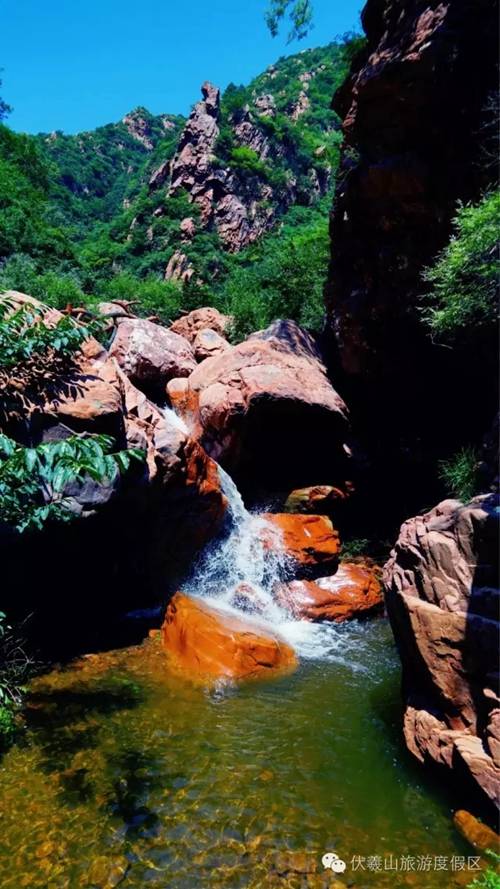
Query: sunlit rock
point(205, 643)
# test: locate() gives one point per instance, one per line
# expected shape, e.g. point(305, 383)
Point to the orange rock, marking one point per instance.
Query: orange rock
point(478, 834)
point(353, 591)
point(204, 642)
point(310, 539)
point(317, 499)
point(185, 402)
point(205, 318)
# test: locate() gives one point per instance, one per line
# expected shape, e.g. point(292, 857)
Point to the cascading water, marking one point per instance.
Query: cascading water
point(239, 574)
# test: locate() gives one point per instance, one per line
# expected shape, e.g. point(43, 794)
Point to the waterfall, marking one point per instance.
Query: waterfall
point(238, 574)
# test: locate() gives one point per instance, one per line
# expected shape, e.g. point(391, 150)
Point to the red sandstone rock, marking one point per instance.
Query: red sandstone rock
point(151, 355)
point(165, 510)
point(317, 499)
point(267, 406)
point(205, 643)
point(208, 343)
point(309, 540)
point(478, 834)
point(442, 600)
point(400, 182)
point(353, 591)
point(205, 318)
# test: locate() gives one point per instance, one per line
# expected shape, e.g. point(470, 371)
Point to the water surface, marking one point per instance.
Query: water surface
point(130, 776)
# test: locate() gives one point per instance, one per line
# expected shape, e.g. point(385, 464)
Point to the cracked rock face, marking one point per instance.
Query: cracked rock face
point(239, 204)
point(411, 119)
point(441, 584)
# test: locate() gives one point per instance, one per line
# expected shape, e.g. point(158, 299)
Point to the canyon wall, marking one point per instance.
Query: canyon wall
point(414, 115)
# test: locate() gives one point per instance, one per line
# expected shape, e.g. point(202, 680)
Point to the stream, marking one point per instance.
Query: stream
point(128, 776)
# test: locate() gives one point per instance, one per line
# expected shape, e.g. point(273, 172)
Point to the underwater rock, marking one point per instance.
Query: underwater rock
point(310, 540)
point(353, 591)
point(441, 584)
point(478, 834)
point(205, 643)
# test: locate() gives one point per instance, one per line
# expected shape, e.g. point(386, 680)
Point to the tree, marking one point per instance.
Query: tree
point(300, 14)
point(464, 279)
point(4, 108)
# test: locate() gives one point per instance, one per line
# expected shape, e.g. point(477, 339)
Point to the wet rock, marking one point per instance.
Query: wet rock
point(205, 643)
point(353, 591)
point(106, 873)
point(478, 834)
point(208, 343)
point(268, 409)
point(310, 541)
point(247, 598)
point(317, 499)
point(442, 600)
point(205, 318)
point(186, 405)
point(151, 355)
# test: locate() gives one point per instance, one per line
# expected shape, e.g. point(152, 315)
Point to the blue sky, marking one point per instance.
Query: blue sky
point(77, 64)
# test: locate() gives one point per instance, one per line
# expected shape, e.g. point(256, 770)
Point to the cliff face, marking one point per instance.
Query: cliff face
point(413, 114)
point(236, 196)
point(443, 605)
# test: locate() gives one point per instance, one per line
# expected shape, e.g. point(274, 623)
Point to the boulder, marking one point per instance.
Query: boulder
point(478, 834)
point(310, 541)
point(205, 318)
point(317, 499)
point(441, 585)
point(207, 644)
point(353, 591)
point(209, 343)
point(269, 412)
point(131, 539)
point(151, 355)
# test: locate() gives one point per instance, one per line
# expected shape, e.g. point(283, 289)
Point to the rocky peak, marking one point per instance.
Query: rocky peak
point(265, 105)
point(211, 96)
point(139, 127)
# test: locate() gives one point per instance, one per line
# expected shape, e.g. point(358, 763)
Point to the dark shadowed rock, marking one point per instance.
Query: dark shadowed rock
point(268, 409)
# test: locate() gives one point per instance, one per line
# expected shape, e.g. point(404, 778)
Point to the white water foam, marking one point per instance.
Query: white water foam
point(175, 420)
point(240, 561)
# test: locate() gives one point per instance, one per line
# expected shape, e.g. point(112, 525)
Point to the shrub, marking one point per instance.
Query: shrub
point(15, 670)
point(56, 289)
point(460, 474)
point(25, 336)
point(153, 296)
point(33, 480)
point(488, 880)
point(464, 279)
point(247, 160)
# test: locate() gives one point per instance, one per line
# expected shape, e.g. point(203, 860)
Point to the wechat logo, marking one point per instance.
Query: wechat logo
point(332, 862)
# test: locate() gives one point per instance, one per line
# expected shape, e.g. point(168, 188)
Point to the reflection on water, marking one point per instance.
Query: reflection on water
point(129, 777)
